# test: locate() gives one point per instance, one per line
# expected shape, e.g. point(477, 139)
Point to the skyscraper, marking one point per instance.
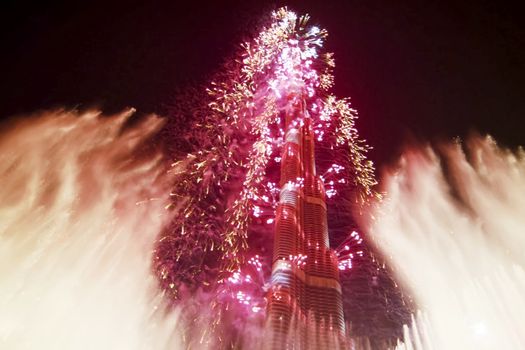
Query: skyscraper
point(304, 303)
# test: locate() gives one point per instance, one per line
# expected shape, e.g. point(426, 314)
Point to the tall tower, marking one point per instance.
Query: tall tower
point(304, 303)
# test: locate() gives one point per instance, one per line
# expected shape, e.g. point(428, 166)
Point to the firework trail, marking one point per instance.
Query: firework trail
point(227, 196)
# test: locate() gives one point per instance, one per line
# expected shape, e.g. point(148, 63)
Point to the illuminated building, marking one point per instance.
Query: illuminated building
point(304, 303)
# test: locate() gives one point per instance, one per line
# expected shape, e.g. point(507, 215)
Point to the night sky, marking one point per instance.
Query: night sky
point(414, 69)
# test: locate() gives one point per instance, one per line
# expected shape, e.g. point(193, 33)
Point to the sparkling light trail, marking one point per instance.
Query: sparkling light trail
point(229, 193)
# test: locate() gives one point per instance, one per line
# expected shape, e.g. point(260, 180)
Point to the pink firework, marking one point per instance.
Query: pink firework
point(226, 188)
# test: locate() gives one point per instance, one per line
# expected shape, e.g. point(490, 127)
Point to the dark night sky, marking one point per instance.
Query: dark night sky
point(421, 69)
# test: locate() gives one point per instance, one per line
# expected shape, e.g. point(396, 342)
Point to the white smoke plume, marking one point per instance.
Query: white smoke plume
point(80, 207)
point(452, 226)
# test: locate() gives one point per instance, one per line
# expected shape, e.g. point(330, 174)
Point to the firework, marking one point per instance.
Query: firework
point(227, 189)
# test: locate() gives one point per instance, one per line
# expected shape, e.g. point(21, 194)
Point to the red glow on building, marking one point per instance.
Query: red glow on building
point(305, 305)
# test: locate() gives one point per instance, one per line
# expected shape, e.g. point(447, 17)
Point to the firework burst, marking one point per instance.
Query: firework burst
point(227, 189)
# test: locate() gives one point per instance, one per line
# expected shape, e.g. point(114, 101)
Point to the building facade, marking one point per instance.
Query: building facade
point(304, 303)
